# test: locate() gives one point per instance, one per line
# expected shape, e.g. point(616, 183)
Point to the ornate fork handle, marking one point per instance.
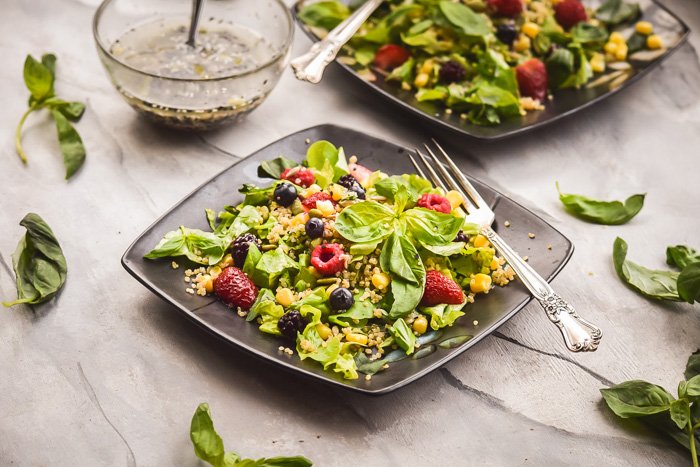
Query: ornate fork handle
point(310, 66)
point(579, 335)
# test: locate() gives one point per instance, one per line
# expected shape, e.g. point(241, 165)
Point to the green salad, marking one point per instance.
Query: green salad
point(350, 267)
point(490, 60)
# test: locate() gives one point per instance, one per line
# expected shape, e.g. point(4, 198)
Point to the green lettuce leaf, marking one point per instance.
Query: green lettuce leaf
point(197, 245)
point(443, 315)
point(404, 336)
point(325, 14)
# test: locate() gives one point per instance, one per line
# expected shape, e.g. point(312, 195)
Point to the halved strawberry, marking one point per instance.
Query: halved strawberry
point(235, 289)
point(532, 79)
point(299, 176)
point(570, 12)
point(508, 8)
point(441, 289)
point(390, 56)
point(360, 172)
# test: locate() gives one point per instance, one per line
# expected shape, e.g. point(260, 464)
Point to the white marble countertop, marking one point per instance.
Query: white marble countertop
point(110, 375)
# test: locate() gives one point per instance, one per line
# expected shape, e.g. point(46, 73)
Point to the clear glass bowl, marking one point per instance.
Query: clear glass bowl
point(194, 103)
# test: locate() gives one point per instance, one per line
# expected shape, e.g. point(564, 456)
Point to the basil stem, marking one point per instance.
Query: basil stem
point(18, 134)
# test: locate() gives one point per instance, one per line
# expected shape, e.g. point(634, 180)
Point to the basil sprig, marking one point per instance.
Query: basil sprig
point(602, 212)
point(635, 399)
point(209, 446)
point(39, 77)
point(39, 264)
point(614, 12)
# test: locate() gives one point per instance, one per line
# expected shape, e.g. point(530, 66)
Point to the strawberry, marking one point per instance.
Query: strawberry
point(435, 202)
point(440, 289)
point(310, 202)
point(235, 289)
point(569, 12)
point(532, 79)
point(328, 258)
point(299, 176)
point(360, 172)
point(390, 56)
point(508, 8)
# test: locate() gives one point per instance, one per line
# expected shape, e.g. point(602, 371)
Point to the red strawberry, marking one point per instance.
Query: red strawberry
point(532, 79)
point(360, 172)
point(390, 56)
point(310, 202)
point(435, 202)
point(509, 8)
point(299, 176)
point(235, 289)
point(441, 289)
point(328, 258)
point(569, 13)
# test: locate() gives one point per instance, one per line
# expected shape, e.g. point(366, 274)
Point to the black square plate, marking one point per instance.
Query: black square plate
point(488, 312)
point(566, 101)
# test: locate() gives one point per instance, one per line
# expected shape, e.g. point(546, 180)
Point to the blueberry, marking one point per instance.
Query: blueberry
point(314, 228)
point(341, 299)
point(461, 237)
point(285, 194)
point(351, 183)
point(506, 33)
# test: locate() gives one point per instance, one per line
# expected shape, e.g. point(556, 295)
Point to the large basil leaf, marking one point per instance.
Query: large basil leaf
point(602, 212)
point(681, 256)
point(692, 368)
point(326, 14)
point(199, 246)
point(589, 34)
point(321, 155)
point(403, 335)
point(649, 282)
point(406, 295)
point(275, 167)
point(614, 12)
point(39, 264)
point(679, 412)
point(414, 184)
point(38, 78)
point(432, 227)
point(465, 19)
point(693, 387)
point(400, 258)
point(444, 250)
point(637, 398)
point(365, 222)
point(689, 283)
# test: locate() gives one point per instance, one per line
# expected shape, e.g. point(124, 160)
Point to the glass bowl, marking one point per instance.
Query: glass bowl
point(181, 98)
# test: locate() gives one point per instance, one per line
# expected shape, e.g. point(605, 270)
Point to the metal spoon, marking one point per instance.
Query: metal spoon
point(197, 6)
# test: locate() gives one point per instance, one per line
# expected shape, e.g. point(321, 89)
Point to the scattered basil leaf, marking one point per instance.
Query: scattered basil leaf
point(38, 78)
point(274, 168)
point(679, 412)
point(693, 387)
point(71, 144)
point(602, 212)
point(681, 256)
point(49, 61)
point(689, 283)
point(614, 12)
point(39, 264)
point(692, 368)
point(324, 14)
point(465, 19)
point(73, 111)
point(637, 398)
point(404, 336)
point(649, 282)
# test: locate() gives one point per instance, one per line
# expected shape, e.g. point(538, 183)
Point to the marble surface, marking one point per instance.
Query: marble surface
point(108, 374)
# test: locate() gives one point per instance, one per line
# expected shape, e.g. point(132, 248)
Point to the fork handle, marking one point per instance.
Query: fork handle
point(579, 335)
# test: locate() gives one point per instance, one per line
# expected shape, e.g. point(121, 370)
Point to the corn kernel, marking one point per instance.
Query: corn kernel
point(530, 29)
point(356, 338)
point(284, 297)
point(494, 264)
point(480, 283)
point(598, 62)
point(610, 47)
point(323, 331)
point(522, 44)
point(621, 52)
point(617, 38)
point(480, 241)
point(326, 208)
point(227, 261)
point(454, 198)
point(644, 27)
point(654, 42)
point(421, 80)
point(381, 280)
point(208, 284)
point(420, 325)
point(427, 67)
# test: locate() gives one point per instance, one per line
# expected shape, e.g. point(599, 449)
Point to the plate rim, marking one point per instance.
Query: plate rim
point(126, 264)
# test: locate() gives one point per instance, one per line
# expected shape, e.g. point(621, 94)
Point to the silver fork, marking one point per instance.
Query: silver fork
point(579, 335)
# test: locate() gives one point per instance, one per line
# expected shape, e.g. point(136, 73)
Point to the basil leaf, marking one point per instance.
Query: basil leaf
point(637, 398)
point(70, 143)
point(208, 445)
point(432, 227)
point(465, 19)
point(38, 78)
point(414, 184)
point(322, 154)
point(407, 296)
point(560, 65)
point(602, 212)
point(693, 387)
point(275, 167)
point(681, 256)
point(443, 315)
point(293, 461)
point(588, 34)
point(649, 282)
point(49, 61)
point(73, 111)
point(251, 260)
point(679, 412)
point(360, 310)
point(692, 368)
point(400, 258)
point(614, 12)
point(197, 245)
point(445, 250)
point(636, 42)
point(39, 265)
point(365, 222)
point(325, 15)
point(233, 226)
point(689, 283)
point(271, 266)
point(404, 336)
point(370, 367)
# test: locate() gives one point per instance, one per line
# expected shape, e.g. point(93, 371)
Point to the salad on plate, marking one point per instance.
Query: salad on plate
point(349, 267)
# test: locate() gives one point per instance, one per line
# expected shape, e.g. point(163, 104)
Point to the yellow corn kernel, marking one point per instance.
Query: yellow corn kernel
point(654, 42)
point(494, 264)
point(644, 27)
point(621, 52)
point(480, 241)
point(598, 62)
point(480, 283)
point(356, 338)
point(227, 261)
point(323, 331)
point(214, 272)
point(454, 198)
point(207, 283)
point(300, 219)
point(610, 47)
point(326, 207)
point(420, 325)
point(617, 38)
point(421, 80)
point(531, 29)
point(381, 280)
point(284, 297)
point(522, 43)
point(427, 67)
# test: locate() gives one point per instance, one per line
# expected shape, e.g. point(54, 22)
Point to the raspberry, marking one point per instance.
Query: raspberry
point(440, 289)
point(235, 289)
point(290, 323)
point(532, 79)
point(299, 176)
point(451, 72)
point(435, 202)
point(390, 56)
point(310, 202)
point(509, 8)
point(351, 183)
point(570, 12)
point(328, 258)
point(240, 246)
